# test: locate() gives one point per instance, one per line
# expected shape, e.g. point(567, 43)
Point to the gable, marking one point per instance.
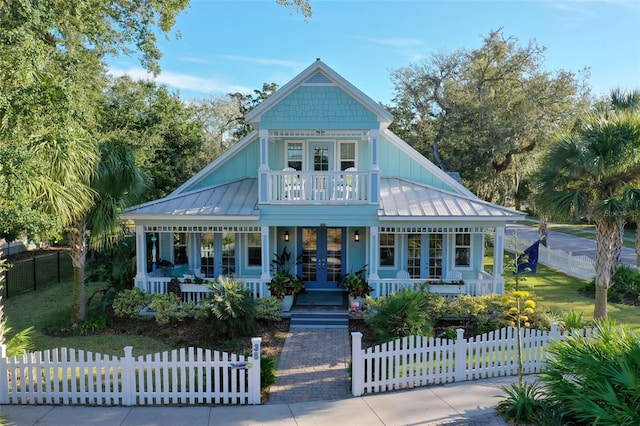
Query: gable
point(319, 107)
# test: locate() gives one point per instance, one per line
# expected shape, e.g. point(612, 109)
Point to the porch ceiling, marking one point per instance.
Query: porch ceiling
point(404, 199)
point(235, 199)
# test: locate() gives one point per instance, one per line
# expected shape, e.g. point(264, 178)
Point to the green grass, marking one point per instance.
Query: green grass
point(559, 293)
point(51, 307)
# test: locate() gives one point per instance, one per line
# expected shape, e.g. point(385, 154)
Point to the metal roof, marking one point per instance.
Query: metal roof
point(235, 199)
point(400, 198)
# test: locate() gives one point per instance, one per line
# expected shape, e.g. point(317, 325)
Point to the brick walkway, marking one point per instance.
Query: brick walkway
point(313, 366)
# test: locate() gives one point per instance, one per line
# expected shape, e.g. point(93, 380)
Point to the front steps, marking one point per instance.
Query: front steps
point(319, 319)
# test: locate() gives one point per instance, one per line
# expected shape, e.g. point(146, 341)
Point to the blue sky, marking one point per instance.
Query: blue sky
point(229, 46)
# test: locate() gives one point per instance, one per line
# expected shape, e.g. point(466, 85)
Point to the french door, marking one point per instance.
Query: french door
point(322, 262)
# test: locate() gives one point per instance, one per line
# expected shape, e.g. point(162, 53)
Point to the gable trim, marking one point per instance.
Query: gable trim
point(255, 115)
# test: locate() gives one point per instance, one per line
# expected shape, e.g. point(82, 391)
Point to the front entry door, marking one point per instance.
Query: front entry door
point(322, 257)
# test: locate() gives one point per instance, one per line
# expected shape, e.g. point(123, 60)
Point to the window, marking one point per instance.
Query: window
point(228, 253)
point(387, 250)
point(294, 155)
point(254, 249)
point(347, 155)
point(435, 256)
point(207, 255)
point(463, 250)
point(414, 250)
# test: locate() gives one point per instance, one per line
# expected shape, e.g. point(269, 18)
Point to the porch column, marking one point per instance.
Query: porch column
point(263, 170)
point(266, 253)
point(374, 184)
point(374, 253)
point(141, 257)
point(498, 253)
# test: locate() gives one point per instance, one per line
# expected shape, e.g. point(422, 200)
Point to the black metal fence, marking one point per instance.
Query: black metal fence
point(27, 274)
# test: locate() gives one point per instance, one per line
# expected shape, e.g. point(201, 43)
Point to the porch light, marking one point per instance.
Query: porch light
point(356, 236)
point(286, 236)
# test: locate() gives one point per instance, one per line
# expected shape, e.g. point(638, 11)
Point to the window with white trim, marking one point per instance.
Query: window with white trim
point(387, 250)
point(347, 155)
point(294, 155)
point(414, 253)
point(463, 250)
point(254, 249)
point(228, 253)
point(435, 256)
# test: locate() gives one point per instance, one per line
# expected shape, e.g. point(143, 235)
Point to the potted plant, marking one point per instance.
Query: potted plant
point(357, 286)
point(284, 285)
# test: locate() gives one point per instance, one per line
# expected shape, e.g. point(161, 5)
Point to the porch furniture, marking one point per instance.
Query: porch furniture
point(293, 185)
point(346, 186)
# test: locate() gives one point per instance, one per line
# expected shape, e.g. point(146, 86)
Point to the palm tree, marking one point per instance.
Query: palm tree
point(117, 183)
point(588, 174)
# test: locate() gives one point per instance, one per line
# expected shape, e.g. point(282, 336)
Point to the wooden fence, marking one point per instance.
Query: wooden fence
point(419, 361)
point(186, 376)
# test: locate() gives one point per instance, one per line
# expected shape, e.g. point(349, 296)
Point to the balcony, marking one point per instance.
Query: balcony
point(298, 187)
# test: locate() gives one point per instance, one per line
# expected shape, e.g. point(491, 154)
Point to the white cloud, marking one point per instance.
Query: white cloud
point(400, 43)
point(182, 81)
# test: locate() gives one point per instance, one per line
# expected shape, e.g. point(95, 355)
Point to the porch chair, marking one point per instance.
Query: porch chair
point(346, 187)
point(293, 186)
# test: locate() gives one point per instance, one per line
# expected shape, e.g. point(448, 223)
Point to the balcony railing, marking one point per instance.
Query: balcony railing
point(349, 187)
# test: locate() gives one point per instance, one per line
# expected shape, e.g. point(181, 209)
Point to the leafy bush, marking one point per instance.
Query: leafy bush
point(128, 303)
point(95, 321)
point(524, 402)
point(596, 379)
point(267, 372)
point(269, 308)
point(626, 282)
point(404, 313)
point(230, 308)
point(166, 307)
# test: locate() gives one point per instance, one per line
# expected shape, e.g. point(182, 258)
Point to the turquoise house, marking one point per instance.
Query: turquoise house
point(322, 176)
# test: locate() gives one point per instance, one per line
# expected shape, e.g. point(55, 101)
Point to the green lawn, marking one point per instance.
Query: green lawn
point(559, 293)
point(51, 307)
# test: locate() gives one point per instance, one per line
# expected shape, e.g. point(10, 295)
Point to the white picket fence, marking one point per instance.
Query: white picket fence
point(582, 266)
point(186, 376)
point(419, 361)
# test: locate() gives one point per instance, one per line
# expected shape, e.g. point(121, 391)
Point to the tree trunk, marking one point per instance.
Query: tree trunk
point(607, 237)
point(78, 238)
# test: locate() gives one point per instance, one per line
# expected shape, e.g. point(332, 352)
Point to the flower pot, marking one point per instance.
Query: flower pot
point(359, 300)
point(287, 303)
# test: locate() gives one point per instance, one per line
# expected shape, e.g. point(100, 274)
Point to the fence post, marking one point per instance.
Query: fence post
point(460, 357)
point(128, 377)
point(4, 376)
point(254, 372)
point(357, 364)
point(58, 264)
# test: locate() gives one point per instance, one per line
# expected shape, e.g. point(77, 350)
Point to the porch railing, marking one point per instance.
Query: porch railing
point(304, 187)
point(195, 292)
point(474, 287)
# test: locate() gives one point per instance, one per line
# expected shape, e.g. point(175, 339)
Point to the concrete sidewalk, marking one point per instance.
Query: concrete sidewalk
point(467, 403)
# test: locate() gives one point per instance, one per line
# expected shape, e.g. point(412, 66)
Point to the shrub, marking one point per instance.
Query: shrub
point(596, 379)
point(626, 282)
point(269, 308)
point(166, 307)
point(524, 402)
point(128, 303)
point(404, 313)
point(230, 308)
point(95, 321)
point(267, 372)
